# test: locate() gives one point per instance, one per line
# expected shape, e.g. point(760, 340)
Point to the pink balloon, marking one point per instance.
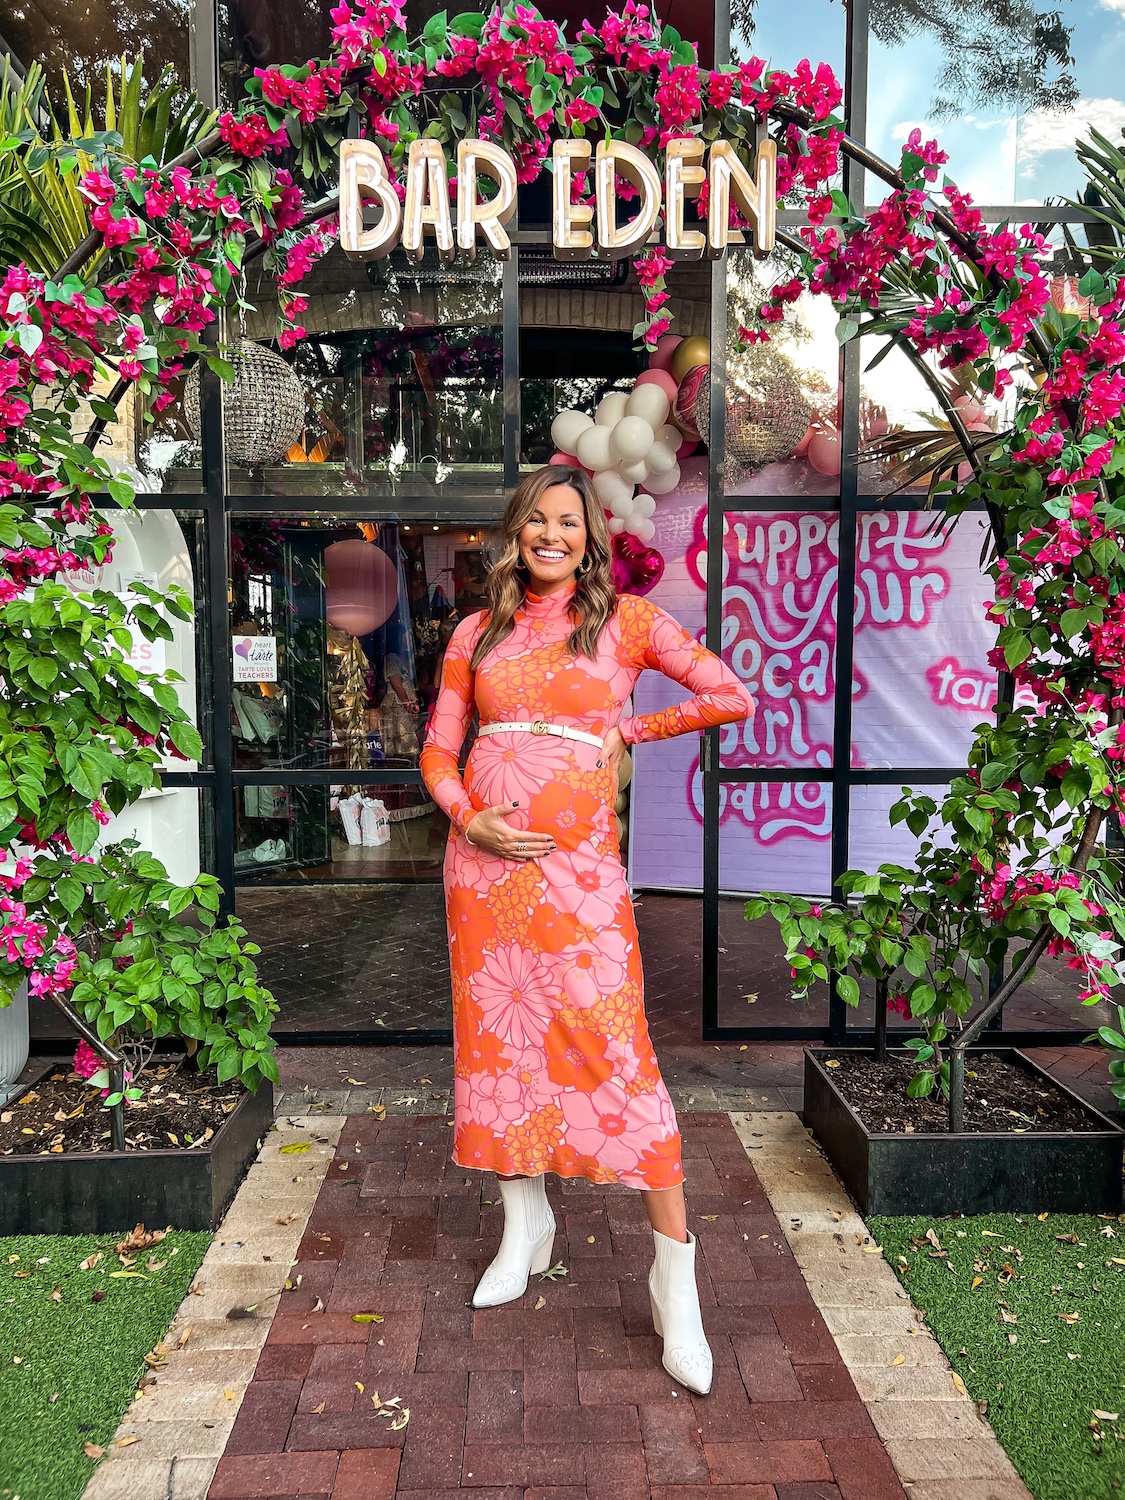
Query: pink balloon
point(686, 449)
point(684, 404)
point(661, 356)
point(824, 452)
point(564, 461)
point(662, 378)
point(361, 586)
point(636, 567)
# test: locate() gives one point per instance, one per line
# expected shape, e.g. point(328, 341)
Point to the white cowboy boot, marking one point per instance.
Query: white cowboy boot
point(674, 1298)
point(525, 1245)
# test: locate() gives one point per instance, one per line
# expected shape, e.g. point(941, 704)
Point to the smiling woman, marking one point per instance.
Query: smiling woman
point(554, 1068)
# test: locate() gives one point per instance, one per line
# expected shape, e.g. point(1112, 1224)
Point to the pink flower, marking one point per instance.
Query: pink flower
point(509, 989)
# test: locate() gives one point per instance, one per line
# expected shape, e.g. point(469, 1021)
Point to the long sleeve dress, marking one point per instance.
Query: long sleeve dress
point(553, 1066)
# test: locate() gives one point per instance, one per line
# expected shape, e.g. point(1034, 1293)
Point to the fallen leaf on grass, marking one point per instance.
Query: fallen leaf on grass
point(931, 1235)
point(959, 1385)
point(1071, 1318)
point(56, 1295)
point(90, 1262)
point(295, 1148)
point(1105, 1416)
point(977, 1281)
point(91, 1450)
point(99, 1295)
point(140, 1239)
point(128, 1276)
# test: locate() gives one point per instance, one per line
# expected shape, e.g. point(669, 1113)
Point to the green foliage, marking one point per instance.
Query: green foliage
point(1030, 1312)
point(80, 1360)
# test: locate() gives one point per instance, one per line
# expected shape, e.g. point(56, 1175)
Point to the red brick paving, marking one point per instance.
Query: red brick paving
point(567, 1401)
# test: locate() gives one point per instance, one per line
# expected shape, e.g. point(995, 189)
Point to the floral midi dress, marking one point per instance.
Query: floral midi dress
point(553, 1066)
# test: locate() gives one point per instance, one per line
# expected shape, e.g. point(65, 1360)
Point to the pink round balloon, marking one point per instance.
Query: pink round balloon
point(637, 568)
point(662, 378)
point(361, 586)
point(564, 461)
point(824, 452)
point(661, 356)
point(686, 449)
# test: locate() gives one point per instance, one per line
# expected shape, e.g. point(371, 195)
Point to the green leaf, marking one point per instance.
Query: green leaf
point(848, 989)
point(846, 330)
point(920, 1085)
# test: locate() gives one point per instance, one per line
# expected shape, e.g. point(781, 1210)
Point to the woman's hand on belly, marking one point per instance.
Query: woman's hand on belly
point(491, 830)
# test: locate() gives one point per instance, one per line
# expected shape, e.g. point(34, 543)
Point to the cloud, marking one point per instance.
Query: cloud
point(1118, 5)
point(1045, 130)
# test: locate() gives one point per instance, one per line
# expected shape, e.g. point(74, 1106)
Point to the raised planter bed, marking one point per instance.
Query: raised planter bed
point(979, 1171)
point(88, 1192)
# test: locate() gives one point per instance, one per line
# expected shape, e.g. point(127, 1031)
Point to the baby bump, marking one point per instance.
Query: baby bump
point(559, 786)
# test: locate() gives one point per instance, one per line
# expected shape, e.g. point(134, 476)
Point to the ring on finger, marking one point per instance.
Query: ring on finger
point(521, 848)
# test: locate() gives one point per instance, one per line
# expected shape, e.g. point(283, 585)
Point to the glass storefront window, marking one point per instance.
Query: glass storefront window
point(782, 34)
point(83, 41)
point(1005, 91)
point(397, 389)
point(783, 404)
point(349, 831)
point(338, 629)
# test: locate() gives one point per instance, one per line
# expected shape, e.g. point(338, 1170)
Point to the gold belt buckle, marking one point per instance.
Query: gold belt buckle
point(540, 726)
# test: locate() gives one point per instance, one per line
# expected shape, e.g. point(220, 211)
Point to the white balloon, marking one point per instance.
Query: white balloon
point(610, 486)
point(622, 506)
point(664, 484)
point(661, 459)
point(650, 403)
point(643, 505)
point(593, 450)
point(631, 439)
point(611, 409)
point(671, 436)
point(645, 531)
point(633, 473)
point(566, 429)
point(616, 525)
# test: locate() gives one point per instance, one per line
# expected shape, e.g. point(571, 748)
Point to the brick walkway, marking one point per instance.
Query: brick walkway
point(563, 1401)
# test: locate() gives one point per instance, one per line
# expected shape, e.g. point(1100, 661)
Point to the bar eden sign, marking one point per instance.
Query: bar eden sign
point(367, 193)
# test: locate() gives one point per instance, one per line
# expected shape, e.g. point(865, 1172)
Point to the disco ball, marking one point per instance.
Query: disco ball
point(263, 407)
point(767, 412)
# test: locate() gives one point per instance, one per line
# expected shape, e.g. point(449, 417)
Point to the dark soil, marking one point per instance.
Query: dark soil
point(182, 1109)
point(999, 1096)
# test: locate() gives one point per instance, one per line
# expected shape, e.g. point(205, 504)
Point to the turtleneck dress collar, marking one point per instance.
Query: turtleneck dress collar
point(548, 606)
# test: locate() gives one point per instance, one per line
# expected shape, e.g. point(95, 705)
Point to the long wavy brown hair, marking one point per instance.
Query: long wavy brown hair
point(595, 598)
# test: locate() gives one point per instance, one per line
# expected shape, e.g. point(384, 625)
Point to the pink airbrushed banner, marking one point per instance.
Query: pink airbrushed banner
point(920, 683)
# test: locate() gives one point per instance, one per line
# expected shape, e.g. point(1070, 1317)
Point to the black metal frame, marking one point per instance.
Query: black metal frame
point(218, 779)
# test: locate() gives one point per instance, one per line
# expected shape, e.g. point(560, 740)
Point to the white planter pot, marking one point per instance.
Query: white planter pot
point(14, 1037)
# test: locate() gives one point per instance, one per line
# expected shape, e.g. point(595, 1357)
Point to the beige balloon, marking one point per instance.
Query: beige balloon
point(630, 440)
point(611, 408)
point(651, 403)
point(593, 450)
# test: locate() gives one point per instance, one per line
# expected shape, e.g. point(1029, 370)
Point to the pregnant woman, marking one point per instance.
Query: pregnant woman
point(553, 1066)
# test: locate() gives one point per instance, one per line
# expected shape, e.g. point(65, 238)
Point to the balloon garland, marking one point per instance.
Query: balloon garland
point(632, 447)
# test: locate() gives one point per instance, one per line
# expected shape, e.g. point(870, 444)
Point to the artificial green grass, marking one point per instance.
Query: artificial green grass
point(69, 1365)
point(1042, 1389)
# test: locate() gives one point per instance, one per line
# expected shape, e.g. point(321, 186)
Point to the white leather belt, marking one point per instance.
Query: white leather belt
point(541, 726)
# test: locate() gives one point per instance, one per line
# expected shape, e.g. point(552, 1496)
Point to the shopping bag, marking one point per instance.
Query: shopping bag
point(373, 822)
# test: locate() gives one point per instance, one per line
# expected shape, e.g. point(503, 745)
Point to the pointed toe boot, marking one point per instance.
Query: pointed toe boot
point(674, 1298)
point(525, 1246)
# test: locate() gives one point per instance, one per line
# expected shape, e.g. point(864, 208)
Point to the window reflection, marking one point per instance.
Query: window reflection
point(83, 41)
point(338, 633)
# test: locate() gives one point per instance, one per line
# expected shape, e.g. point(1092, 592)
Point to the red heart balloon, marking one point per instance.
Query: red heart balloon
point(636, 568)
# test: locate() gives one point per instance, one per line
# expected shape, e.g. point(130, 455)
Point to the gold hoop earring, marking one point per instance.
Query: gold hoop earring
point(583, 566)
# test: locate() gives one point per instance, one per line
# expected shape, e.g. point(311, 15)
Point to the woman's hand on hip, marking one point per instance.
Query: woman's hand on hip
point(490, 830)
point(613, 752)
